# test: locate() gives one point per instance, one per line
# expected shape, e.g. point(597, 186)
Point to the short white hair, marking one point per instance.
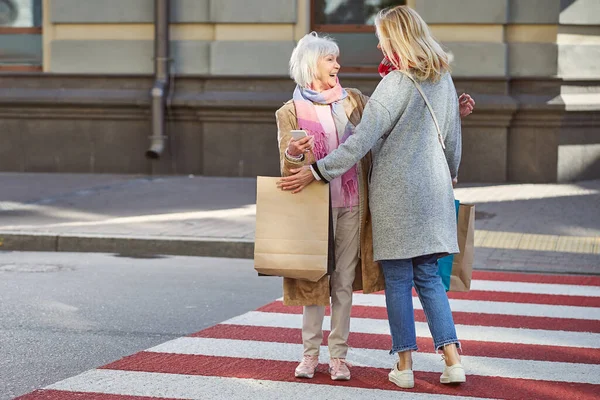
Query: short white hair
point(306, 55)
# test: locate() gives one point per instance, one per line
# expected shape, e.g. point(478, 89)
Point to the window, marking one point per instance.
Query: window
point(348, 15)
point(351, 24)
point(20, 35)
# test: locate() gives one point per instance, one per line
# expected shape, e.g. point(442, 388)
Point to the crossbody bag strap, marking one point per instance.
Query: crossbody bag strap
point(437, 125)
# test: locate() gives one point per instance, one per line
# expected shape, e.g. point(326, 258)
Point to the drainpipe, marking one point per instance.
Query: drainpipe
point(161, 78)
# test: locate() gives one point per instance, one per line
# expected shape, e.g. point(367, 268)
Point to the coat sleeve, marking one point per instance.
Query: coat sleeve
point(453, 139)
point(286, 122)
point(379, 117)
point(363, 100)
point(359, 97)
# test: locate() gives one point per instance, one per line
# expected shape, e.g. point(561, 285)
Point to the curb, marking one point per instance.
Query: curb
point(195, 247)
point(127, 245)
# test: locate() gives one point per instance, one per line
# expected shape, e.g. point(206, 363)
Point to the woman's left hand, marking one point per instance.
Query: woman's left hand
point(466, 104)
point(302, 178)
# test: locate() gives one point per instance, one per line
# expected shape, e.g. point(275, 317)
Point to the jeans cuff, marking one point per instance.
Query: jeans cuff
point(440, 346)
point(401, 349)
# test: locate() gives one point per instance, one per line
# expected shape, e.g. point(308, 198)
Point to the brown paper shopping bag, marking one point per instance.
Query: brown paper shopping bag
point(462, 266)
point(292, 230)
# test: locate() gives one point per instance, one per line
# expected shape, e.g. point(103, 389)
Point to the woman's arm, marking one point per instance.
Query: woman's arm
point(392, 93)
point(466, 104)
point(286, 122)
point(376, 121)
point(453, 139)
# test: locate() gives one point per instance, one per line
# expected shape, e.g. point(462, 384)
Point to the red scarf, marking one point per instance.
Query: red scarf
point(385, 67)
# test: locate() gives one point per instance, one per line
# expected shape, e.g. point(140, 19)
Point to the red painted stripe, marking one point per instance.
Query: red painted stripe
point(537, 278)
point(62, 395)
point(362, 377)
point(384, 342)
point(464, 318)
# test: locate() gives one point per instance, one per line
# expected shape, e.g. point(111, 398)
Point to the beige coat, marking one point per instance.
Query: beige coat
point(369, 276)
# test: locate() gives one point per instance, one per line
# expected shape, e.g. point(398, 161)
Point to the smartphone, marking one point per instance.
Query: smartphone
point(298, 134)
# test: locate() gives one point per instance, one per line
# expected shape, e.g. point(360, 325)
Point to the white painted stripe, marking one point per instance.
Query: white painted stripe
point(494, 307)
point(465, 332)
point(129, 383)
point(428, 362)
point(536, 288)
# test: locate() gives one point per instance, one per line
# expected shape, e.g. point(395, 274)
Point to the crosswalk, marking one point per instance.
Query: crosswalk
point(524, 336)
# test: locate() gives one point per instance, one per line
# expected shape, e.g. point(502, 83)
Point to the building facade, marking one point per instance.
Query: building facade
point(75, 80)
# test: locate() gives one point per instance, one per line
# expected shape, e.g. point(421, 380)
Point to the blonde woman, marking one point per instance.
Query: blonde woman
point(411, 194)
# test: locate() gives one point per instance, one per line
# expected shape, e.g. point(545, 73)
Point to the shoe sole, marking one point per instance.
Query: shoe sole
point(447, 381)
point(402, 384)
point(305, 376)
point(340, 378)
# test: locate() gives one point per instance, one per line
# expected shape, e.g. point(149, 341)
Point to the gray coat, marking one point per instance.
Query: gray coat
point(410, 188)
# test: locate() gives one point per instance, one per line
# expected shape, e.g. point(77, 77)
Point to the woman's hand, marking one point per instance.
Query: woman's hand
point(298, 147)
point(466, 104)
point(302, 178)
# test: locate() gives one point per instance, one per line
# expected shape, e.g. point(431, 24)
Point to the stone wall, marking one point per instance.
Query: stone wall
point(225, 126)
point(217, 37)
point(532, 66)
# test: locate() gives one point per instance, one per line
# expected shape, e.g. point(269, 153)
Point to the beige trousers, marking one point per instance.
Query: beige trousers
point(345, 228)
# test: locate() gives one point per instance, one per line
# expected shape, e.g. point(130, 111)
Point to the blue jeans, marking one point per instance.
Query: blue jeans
point(399, 278)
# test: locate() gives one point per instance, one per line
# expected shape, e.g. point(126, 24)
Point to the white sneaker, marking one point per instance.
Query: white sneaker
point(453, 374)
point(405, 379)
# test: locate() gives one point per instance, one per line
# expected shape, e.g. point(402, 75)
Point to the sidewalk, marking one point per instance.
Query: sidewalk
point(549, 228)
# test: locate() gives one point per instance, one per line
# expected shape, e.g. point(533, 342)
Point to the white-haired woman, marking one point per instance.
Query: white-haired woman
point(329, 114)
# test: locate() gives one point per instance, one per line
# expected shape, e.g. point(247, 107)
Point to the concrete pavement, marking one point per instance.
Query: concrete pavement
point(65, 313)
point(128, 214)
point(549, 228)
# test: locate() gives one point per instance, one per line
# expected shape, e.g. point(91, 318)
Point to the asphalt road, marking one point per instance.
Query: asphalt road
point(64, 313)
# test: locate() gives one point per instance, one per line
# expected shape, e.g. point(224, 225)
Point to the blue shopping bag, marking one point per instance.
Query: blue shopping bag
point(445, 263)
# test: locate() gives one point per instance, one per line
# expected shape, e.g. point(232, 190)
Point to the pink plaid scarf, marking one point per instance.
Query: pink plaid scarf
point(309, 121)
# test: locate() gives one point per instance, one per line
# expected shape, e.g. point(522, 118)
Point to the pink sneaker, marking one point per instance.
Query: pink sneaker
point(338, 368)
point(306, 368)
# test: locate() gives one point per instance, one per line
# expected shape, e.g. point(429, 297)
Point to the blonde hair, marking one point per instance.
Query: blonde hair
point(408, 44)
point(306, 55)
